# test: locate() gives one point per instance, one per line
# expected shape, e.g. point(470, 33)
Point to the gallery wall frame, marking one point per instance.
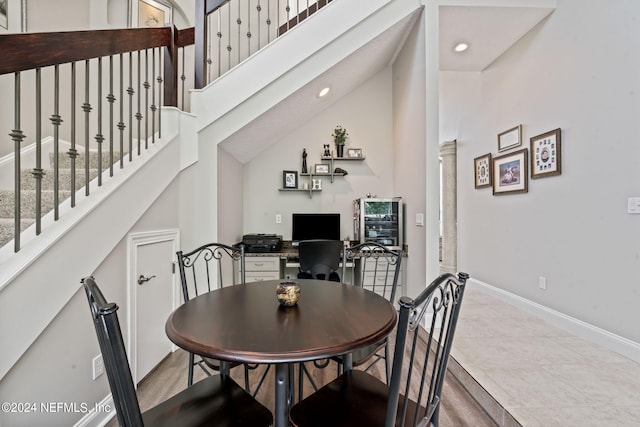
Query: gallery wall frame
point(482, 167)
point(510, 173)
point(546, 154)
point(11, 16)
point(510, 138)
point(150, 14)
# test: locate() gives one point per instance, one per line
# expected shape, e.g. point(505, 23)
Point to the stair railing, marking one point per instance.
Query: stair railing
point(121, 76)
point(229, 31)
point(96, 67)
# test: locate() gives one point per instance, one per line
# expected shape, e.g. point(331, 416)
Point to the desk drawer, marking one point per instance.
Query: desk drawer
point(255, 276)
point(262, 264)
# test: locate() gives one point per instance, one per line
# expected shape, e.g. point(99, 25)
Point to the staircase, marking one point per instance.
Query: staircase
point(28, 190)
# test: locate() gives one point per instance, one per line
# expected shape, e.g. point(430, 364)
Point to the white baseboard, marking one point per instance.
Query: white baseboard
point(99, 416)
point(613, 342)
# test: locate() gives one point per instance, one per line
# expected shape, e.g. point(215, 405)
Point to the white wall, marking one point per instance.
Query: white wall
point(578, 70)
point(367, 115)
point(409, 128)
point(57, 366)
point(230, 210)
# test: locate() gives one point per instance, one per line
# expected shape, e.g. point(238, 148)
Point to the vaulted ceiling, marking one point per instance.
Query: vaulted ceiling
point(489, 31)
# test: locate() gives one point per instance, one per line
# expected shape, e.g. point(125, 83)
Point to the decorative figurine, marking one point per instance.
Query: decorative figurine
point(327, 152)
point(304, 160)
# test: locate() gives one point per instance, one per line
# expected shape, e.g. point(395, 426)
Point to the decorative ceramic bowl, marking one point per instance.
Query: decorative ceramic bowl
point(288, 293)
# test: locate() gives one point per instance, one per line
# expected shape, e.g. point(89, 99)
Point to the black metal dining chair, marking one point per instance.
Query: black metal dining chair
point(377, 268)
point(214, 401)
point(424, 335)
point(209, 267)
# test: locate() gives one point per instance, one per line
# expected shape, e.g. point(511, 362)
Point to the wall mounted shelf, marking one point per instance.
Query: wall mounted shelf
point(331, 174)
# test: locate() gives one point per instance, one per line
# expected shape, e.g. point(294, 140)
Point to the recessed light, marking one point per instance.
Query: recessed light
point(324, 92)
point(460, 47)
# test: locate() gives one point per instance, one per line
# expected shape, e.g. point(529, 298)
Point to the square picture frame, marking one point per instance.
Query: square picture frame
point(510, 138)
point(150, 14)
point(482, 167)
point(290, 179)
point(321, 168)
point(510, 173)
point(546, 154)
point(354, 153)
point(11, 16)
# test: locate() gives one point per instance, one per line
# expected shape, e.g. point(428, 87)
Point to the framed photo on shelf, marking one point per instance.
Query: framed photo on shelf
point(150, 14)
point(482, 171)
point(545, 154)
point(321, 168)
point(509, 139)
point(289, 179)
point(354, 153)
point(510, 173)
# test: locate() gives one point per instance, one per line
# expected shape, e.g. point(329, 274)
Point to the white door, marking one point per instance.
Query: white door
point(153, 297)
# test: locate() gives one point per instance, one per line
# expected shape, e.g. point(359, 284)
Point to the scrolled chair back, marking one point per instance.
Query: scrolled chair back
point(209, 267)
point(427, 324)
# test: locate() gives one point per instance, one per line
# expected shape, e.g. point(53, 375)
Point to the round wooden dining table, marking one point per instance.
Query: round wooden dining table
point(245, 323)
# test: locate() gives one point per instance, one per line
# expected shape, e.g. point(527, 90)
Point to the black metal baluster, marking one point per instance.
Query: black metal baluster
point(130, 92)
point(99, 137)
point(146, 86)
point(121, 125)
point(37, 172)
point(111, 99)
point(17, 136)
point(56, 120)
point(153, 98)
point(138, 114)
point(73, 153)
point(86, 107)
point(160, 80)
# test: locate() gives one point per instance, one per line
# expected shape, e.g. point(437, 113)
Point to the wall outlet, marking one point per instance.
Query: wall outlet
point(98, 366)
point(278, 219)
point(542, 282)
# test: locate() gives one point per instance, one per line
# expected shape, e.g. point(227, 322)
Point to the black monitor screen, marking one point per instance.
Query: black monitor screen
point(307, 226)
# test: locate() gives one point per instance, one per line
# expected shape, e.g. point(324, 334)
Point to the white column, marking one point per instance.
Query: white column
point(449, 262)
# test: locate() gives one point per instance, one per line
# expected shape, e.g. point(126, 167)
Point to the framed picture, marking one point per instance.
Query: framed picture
point(510, 173)
point(482, 171)
point(545, 154)
point(321, 168)
point(150, 13)
point(11, 16)
point(289, 179)
point(354, 152)
point(510, 138)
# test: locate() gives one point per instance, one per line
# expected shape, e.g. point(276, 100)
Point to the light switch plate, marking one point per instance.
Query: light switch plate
point(420, 219)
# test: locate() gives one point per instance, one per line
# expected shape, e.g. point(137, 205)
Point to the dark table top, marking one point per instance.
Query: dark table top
point(245, 323)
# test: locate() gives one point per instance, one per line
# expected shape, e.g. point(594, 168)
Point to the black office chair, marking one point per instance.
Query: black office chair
point(356, 398)
point(319, 259)
point(213, 401)
point(204, 269)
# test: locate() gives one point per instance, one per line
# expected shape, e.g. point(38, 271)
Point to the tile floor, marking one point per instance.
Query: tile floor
point(525, 371)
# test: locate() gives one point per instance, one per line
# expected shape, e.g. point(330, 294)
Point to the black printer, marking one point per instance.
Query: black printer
point(262, 242)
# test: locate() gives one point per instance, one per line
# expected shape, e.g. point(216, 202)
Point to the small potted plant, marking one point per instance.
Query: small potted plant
point(339, 137)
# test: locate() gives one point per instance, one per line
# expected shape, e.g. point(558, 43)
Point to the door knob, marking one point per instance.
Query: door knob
point(143, 279)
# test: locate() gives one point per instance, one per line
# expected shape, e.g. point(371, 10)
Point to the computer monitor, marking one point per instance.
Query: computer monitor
point(307, 226)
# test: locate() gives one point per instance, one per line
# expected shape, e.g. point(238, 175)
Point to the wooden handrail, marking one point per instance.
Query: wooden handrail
point(28, 51)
